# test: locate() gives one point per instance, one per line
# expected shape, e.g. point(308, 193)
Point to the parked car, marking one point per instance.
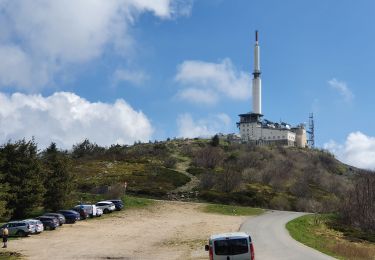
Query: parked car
point(37, 226)
point(99, 212)
point(60, 217)
point(82, 212)
point(92, 210)
point(237, 245)
point(17, 228)
point(49, 222)
point(106, 206)
point(119, 204)
point(71, 216)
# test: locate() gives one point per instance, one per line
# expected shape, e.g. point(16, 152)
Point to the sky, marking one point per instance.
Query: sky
point(121, 71)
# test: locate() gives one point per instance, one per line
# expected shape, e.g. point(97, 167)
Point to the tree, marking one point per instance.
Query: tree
point(21, 168)
point(230, 177)
point(208, 157)
point(4, 189)
point(215, 141)
point(58, 178)
point(86, 149)
point(358, 208)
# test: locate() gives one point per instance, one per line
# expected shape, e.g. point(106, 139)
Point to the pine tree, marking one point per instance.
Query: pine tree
point(4, 189)
point(58, 178)
point(215, 141)
point(21, 168)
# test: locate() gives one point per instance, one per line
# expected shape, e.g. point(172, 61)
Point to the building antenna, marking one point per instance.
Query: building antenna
point(311, 140)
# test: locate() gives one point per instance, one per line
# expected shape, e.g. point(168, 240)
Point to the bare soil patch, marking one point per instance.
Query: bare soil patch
point(167, 230)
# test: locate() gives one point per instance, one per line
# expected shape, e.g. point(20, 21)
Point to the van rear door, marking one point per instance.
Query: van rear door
point(234, 248)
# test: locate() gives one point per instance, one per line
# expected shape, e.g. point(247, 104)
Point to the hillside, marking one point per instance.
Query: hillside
point(286, 178)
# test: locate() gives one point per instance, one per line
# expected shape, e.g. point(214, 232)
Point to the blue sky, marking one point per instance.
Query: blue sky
point(121, 71)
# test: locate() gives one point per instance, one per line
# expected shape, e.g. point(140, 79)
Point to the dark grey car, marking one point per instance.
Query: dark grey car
point(59, 216)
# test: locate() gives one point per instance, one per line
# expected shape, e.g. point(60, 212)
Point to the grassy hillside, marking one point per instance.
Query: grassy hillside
point(272, 177)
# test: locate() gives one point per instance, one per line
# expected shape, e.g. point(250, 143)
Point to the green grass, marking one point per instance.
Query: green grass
point(132, 202)
point(302, 230)
point(313, 231)
point(232, 210)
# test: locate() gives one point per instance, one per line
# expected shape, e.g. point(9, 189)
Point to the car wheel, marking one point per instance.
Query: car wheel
point(106, 211)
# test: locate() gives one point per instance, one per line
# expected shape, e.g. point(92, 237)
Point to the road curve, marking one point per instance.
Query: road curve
point(272, 240)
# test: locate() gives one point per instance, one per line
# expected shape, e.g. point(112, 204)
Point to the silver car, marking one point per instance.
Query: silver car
point(36, 226)
point(106, 206)
point(18, 228)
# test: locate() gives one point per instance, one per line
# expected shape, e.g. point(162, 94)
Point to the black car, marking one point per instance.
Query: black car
point(71, 216)
point(82, 212)
point(59, 216)
point(49, 222)
point(119, 204)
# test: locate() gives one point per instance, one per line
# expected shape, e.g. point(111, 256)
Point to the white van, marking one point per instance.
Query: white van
point(230, 246)
point(91, 210)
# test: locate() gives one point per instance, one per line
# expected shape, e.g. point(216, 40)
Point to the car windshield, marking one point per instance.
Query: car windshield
point(231, 246)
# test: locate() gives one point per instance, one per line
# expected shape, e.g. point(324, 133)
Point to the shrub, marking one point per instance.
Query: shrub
point(280, 202)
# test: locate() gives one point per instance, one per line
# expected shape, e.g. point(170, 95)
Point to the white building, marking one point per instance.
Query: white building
point(253, 129)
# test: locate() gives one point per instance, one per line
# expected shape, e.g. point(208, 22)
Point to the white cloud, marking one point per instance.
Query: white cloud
point(200, 96)
point(43, 37)
point(66, 119)
point(342, 88)
point(206, 127)
point(358, 150)
point(133, 76)
point(222, 79)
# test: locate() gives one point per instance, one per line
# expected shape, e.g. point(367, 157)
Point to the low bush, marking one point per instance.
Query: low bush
point(196, 170)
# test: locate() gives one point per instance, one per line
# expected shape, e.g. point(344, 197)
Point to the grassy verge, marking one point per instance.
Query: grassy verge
point(10, 256)
point(313, 231)
point(232, 210)
point(137, 202)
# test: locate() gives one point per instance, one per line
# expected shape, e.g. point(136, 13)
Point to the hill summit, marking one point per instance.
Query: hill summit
point(277, 177)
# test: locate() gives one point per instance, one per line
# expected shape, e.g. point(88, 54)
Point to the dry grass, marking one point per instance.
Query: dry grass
point(350, 250)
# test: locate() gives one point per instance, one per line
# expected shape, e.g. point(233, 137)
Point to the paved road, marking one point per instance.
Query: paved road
point(272, 240)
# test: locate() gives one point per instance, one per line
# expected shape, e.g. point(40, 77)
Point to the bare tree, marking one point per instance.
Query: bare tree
point(208, 157)
point(359, 207)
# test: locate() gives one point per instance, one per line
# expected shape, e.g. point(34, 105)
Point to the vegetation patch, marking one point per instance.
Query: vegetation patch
point(10, 256)
point(314, 231)
point(232, 210)
point(137, 202)
point(196, 170)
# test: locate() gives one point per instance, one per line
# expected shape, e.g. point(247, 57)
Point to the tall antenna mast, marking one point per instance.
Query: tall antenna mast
point(257, 83)
point(311, 140)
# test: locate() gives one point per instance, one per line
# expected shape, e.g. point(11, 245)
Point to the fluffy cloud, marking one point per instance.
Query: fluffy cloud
point(205, 82)
point(66, 118)
point(342, 88)
point(210, 126)
point(42, 37)
point(358, 150)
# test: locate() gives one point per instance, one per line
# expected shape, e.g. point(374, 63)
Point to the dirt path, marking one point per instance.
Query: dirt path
point(193, 183)
point(168, 230)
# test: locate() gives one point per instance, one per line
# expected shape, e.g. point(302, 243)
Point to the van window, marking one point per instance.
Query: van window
point(231, 246)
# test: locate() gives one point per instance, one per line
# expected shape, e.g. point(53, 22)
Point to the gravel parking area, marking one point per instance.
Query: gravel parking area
point(167, 230)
